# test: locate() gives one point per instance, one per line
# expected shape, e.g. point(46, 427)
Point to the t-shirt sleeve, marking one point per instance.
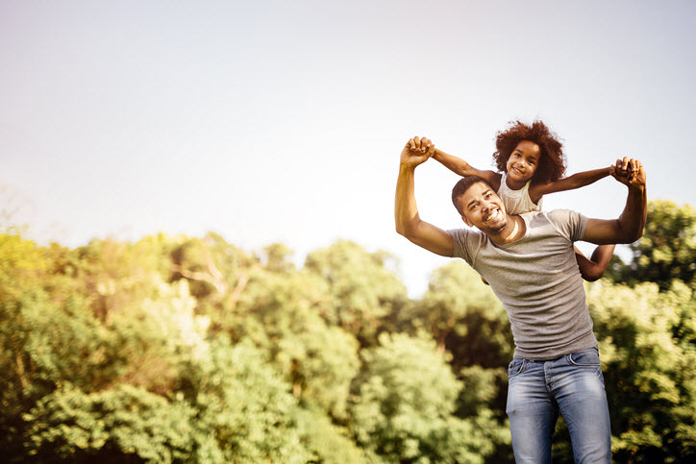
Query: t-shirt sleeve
point(464, 244)
point(570, 224)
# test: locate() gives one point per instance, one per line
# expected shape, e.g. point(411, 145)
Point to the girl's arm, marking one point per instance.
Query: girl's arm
point(578, 180)
point(461, 167)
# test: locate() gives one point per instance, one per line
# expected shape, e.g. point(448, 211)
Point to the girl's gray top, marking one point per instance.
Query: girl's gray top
point(538, 281)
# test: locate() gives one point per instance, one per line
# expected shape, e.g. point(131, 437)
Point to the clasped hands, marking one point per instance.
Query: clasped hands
point(629, 172)
point(417, 151)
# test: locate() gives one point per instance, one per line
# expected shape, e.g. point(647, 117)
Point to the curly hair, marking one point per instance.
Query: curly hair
point(552, 162)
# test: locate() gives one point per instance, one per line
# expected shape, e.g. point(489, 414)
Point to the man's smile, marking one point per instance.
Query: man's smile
point(495, 214)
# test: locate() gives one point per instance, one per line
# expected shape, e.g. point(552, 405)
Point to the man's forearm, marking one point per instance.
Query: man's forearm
point(630, 224)
point(405, 208)
point(406, 218)
point(409, 223)
point(634, 215)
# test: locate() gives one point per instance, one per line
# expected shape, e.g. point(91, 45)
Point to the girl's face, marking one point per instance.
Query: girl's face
point(522, 164)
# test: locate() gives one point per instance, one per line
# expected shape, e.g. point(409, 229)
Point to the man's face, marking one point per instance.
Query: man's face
point(483, 209)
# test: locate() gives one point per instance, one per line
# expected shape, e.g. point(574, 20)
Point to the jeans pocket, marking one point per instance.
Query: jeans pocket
point(515, 367)
point(585, 358)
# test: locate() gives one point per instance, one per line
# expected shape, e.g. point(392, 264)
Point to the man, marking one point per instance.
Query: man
point(529, 262)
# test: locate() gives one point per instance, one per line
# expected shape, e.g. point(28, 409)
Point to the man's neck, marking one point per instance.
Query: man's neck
point(513, 231)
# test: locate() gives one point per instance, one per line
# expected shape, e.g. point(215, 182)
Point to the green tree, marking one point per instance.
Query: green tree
point(648, 353)
point(127, 424)
point(244, 412)
point(154, 335)
point(281, 313)
point(468, 321)
point(365, 291)
point(464, 316)
point(330, 443)
point(43, 345)
point(406, 400)
point(277, 258)
point(51, 337)
point(217, 271)
point(23, 265)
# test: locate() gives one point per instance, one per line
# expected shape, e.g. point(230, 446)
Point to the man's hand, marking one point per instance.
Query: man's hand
point(417, 151)
point(629, 172)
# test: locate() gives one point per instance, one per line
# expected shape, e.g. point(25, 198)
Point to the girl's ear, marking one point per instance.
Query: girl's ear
point(467, 222)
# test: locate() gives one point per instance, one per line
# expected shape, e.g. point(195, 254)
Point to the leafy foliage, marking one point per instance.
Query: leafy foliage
point(243, 409)
point(648, 372)
point(282, 314)
point(177, 349)
point(364, 292)
point(127, 424)
point(463, 315)
point(407, 397)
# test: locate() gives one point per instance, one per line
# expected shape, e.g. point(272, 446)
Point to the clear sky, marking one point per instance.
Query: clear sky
point(277, 121)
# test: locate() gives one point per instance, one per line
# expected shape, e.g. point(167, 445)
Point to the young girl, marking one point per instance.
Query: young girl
point(531, 164)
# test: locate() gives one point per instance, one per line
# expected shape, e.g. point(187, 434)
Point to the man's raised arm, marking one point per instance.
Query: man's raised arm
point(408, 222)
point(629, 226)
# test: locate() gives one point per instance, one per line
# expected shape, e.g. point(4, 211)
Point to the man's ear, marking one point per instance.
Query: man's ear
point(467, 222)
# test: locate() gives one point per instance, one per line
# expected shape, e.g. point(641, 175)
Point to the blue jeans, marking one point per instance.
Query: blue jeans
point(572, 385)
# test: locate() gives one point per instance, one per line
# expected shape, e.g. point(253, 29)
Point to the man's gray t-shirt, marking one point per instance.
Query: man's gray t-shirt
point(538, 281)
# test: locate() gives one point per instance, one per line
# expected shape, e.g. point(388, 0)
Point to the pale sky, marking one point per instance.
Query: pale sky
point(277, 121)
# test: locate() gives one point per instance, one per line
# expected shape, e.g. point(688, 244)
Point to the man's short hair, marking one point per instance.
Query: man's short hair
point(461, 187)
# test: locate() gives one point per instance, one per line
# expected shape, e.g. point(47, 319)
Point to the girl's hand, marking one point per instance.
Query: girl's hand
point(417, 151)
point(629, 172)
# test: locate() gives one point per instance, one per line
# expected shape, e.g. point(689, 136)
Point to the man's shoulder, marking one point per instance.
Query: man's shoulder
point(554, 215)
point(564, 215)
point(566, 222)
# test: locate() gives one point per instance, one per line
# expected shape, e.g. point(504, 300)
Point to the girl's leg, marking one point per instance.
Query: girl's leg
point(593, 269)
